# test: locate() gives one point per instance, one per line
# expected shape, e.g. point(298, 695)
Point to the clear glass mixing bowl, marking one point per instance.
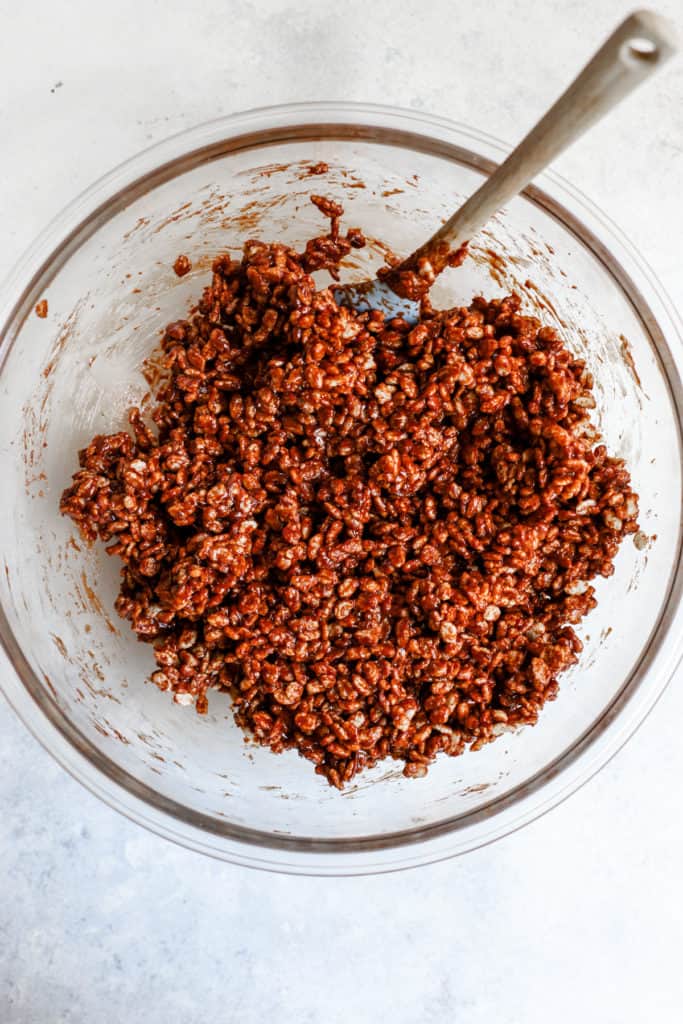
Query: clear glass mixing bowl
point(105, 267)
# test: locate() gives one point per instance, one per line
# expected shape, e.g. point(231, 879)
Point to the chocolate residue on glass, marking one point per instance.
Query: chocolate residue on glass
point(628, 359)
point(319, 168)
point(182, 266)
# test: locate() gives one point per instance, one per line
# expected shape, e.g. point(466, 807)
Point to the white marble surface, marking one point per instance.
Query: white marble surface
point(577, 918)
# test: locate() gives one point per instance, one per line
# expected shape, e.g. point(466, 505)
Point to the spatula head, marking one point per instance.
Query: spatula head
point(375, 294)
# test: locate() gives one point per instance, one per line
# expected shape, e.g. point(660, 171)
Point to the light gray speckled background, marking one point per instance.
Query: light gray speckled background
point(579, 917)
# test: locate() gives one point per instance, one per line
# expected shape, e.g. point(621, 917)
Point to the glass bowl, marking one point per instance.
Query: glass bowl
point(105, 267)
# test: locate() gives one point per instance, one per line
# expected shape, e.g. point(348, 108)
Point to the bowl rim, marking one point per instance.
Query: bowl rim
point(658, 661)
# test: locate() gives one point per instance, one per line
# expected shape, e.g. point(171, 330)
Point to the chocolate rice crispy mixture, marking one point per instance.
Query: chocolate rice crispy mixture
point(377, 538)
